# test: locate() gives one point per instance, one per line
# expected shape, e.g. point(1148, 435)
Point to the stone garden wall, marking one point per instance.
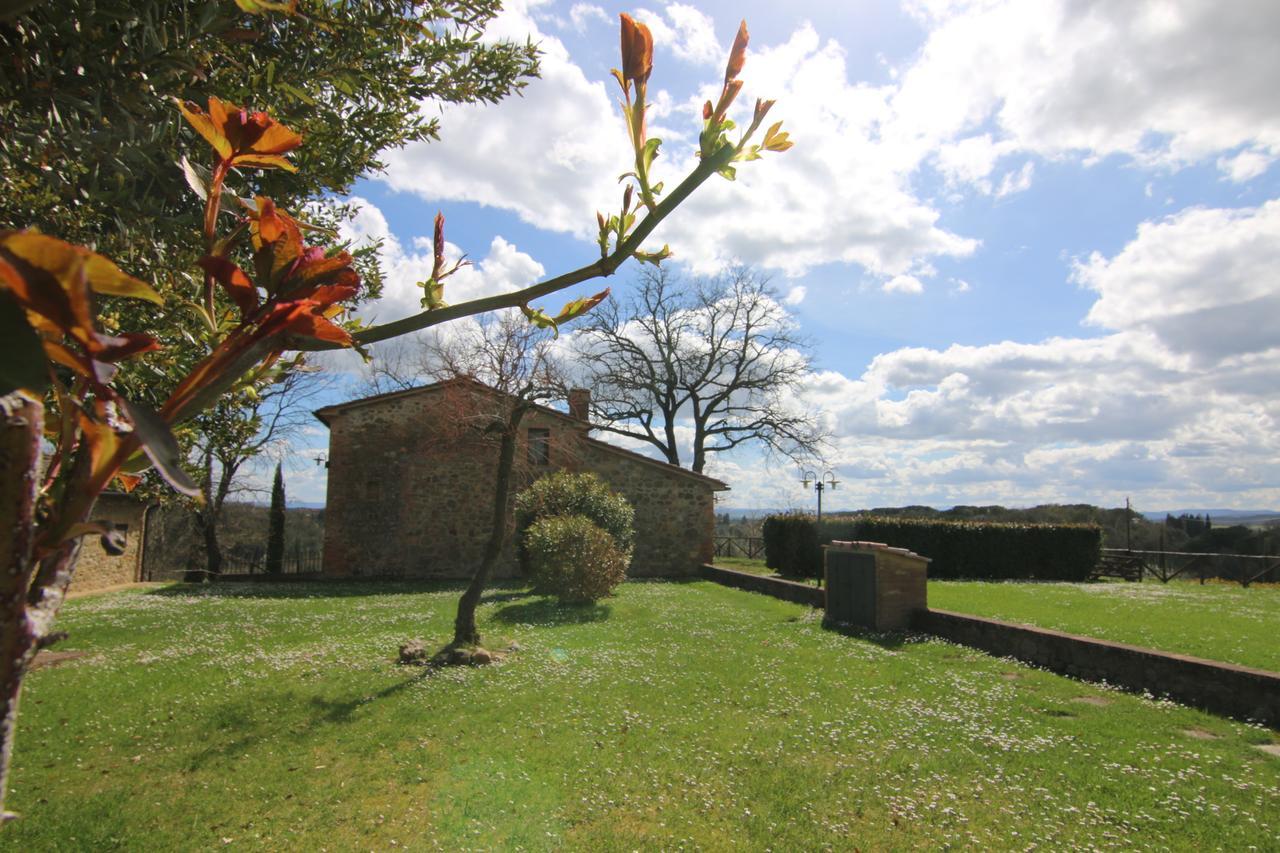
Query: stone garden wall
point(1223, 688)
point(1236, 691)
point(800, 593)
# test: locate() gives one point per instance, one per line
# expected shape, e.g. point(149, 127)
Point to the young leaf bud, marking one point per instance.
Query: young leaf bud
point(738, 55)
point(637, 50)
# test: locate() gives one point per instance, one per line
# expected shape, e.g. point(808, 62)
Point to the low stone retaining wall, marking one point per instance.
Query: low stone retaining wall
point(786, 590)
point(1234, 691)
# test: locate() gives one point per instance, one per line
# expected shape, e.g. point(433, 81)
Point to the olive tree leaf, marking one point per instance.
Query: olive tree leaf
point(23, 365)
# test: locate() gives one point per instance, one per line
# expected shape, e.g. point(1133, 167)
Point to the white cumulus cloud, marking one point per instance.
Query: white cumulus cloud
point(1174, 403)
point(1166, 83)
point(686, 31)
point(582, 15)
point(1203, 280)
point(903, 284)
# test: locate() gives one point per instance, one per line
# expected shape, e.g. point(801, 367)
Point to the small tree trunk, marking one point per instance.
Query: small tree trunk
point(212, 549)
point(19, 466)
point(464, 627)
point(197, 557)
point(204, 522)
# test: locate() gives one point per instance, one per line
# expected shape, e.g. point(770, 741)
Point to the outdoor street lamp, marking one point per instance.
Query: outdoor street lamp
point(819, 485)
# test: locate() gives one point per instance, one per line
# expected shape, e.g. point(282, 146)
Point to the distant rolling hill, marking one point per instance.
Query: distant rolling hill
point(1247, 517)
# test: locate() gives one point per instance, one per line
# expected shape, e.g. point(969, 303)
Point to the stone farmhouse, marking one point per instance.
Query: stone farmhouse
point(412, 478)
point(98, 569)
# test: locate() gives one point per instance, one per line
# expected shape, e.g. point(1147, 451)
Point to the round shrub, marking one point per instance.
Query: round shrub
point(573, 559)
point(566, 493)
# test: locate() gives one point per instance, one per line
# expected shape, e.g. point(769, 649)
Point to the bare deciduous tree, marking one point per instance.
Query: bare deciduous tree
point(720, 354)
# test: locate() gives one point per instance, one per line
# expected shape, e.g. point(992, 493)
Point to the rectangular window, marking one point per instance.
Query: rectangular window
point(540, 447)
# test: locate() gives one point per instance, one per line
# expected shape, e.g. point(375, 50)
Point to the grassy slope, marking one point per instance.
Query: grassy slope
point(1215, 621)
point(673, 715)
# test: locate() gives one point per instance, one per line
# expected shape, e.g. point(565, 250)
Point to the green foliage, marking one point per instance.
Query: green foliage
point(791, 545)
point(957, 549)
point(1120, 527)
point(575, 535)
point(173, 541)
point(93, 150)
point(1237, 539)
point(91, 142)
point(275, 526)
point(585, 494)
point(573, 559)
point(1190, 524)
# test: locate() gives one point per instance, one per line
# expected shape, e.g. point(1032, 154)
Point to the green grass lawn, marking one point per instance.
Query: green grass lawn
point(755, 567)
point(674, 715)
point(1216, 621)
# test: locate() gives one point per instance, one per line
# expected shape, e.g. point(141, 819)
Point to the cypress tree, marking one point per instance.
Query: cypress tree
point(275, 526)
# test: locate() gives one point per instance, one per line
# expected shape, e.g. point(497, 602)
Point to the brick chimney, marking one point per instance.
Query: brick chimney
point(580, 404)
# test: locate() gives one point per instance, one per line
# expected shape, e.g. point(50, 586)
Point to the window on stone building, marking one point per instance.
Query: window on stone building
point(539, 446)
point(119, 535)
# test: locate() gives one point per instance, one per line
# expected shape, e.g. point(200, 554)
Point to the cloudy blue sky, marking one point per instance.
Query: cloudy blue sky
point(1035, 242)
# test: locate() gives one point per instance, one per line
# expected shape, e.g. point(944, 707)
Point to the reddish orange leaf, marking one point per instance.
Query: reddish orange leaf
point(205, 126)
point(269, 226)
point(234, 280)
point(314, 326)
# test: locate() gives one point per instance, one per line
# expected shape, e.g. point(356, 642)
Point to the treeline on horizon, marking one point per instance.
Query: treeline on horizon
point(173, 544)
point(1175, 533)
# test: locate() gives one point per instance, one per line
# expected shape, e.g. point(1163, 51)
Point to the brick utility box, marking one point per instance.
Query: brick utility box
point(870, 585)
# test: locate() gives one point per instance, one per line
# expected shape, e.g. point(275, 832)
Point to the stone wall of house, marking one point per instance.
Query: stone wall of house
point(95, 568)
point(411, 483)
point(675, 513)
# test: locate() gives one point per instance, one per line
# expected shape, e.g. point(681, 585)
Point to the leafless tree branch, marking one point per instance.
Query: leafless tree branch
point(722, 355)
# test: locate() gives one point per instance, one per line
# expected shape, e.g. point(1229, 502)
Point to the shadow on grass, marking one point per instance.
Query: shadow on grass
point(252, 729)
point(548, 611)
point(500, 597)
point(338, 588)
point(342, 710)
point(679, 579)
point(884, 639)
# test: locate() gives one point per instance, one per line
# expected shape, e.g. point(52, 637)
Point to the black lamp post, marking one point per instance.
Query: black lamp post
point(819, 485)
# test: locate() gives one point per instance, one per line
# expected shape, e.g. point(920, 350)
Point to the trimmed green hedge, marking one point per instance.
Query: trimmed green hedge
point(958, 549)
point(791, 545)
